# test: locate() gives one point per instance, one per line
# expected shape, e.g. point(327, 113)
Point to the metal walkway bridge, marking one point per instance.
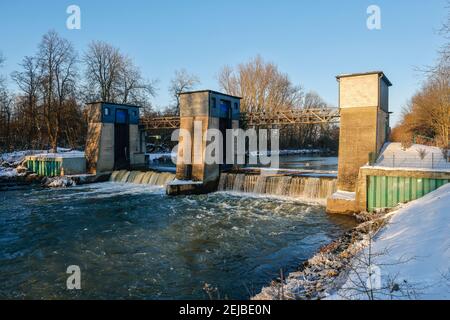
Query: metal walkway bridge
point(257, 119)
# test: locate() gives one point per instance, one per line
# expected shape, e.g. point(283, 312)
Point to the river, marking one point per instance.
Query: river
point(134, 242)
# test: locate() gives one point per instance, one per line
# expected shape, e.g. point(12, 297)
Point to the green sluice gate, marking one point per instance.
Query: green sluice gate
point(388, 192)
point(49, 168)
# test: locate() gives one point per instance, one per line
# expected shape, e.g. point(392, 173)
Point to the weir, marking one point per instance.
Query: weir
point(142, 177)
point(299, 187)
point(116, 141)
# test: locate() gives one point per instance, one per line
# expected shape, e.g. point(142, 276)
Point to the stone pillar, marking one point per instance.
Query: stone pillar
point(200, 111)
point(101, 143)
point(99, 150)
point(364, 112)
point(364, 124)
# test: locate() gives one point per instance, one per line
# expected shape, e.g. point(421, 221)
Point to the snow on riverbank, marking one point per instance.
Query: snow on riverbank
point(61, 155)
point(412, 253)
point(409, 248)
point(11, 161)
point(419, 157)
point(8, 172)
point(14, 158)
point(344, 195)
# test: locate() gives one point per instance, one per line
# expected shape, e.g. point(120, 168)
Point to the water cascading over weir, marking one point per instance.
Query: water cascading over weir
point(215, 110)
point(142, 177)
point(297, 187)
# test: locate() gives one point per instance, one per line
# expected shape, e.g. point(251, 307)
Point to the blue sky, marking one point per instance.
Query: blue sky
point(312, 41)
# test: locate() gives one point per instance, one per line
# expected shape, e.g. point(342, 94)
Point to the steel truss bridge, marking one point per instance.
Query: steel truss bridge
point(259, 119)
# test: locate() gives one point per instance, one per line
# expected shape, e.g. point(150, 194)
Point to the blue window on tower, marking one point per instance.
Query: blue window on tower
point(121, 116)
point(225, 106)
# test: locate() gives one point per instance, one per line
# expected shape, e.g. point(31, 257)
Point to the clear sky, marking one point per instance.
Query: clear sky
point(312, 41)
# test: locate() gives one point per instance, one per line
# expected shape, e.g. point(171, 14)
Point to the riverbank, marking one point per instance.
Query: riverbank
point(320, 274)
point(408, 248)
point(14, 173)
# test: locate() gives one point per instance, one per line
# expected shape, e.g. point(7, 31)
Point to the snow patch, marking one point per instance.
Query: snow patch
point(69, 154)
point(344, 195)
point(59, 182)
point(416, 251)
point(8, 172)
point(177, 182)
point(420, 157)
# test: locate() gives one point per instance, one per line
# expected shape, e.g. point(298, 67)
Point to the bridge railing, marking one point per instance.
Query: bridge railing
point(292, 116)
point(251, 119)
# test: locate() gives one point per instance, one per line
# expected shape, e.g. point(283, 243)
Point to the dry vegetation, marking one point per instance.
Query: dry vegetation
point(426, 118)
point(264, 88)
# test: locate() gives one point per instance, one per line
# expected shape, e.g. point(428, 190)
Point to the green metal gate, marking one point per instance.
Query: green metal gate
point(388, 192)
point(49, 168)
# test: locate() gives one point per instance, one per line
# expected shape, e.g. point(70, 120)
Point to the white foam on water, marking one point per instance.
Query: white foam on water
point(313, 190)
point(104, 190)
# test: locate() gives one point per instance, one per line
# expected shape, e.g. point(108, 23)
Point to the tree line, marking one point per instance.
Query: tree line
point(426, 117)
point(53, 85)
point(264, 88)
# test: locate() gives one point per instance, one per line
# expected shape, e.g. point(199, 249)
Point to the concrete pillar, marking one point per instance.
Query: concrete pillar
point(100, 142)
point(202, 110)
point(364, 124)
point(364, 111)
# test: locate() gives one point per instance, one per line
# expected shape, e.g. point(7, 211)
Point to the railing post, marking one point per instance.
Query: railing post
point(393, 160)
point(432, 160)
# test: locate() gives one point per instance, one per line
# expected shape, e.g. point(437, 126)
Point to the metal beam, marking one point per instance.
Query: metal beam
point(256, 119)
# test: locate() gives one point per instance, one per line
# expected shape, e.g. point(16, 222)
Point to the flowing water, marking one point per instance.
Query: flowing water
point(297, 187)
point(142, 177)
point(298, 162)
point(133, 241)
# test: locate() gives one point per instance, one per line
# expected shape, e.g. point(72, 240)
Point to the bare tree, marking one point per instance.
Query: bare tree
point(428, 112)
point(103, 64)
point(261, 85)
point(28, 80)
point(264, 88)
point(6, 110)
point(133, 88)
point(181, 82)
point(112, 77)
point(2, 78)
point(56, 59)
point(445, 32)
point(6, 104)
point(2, 61)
